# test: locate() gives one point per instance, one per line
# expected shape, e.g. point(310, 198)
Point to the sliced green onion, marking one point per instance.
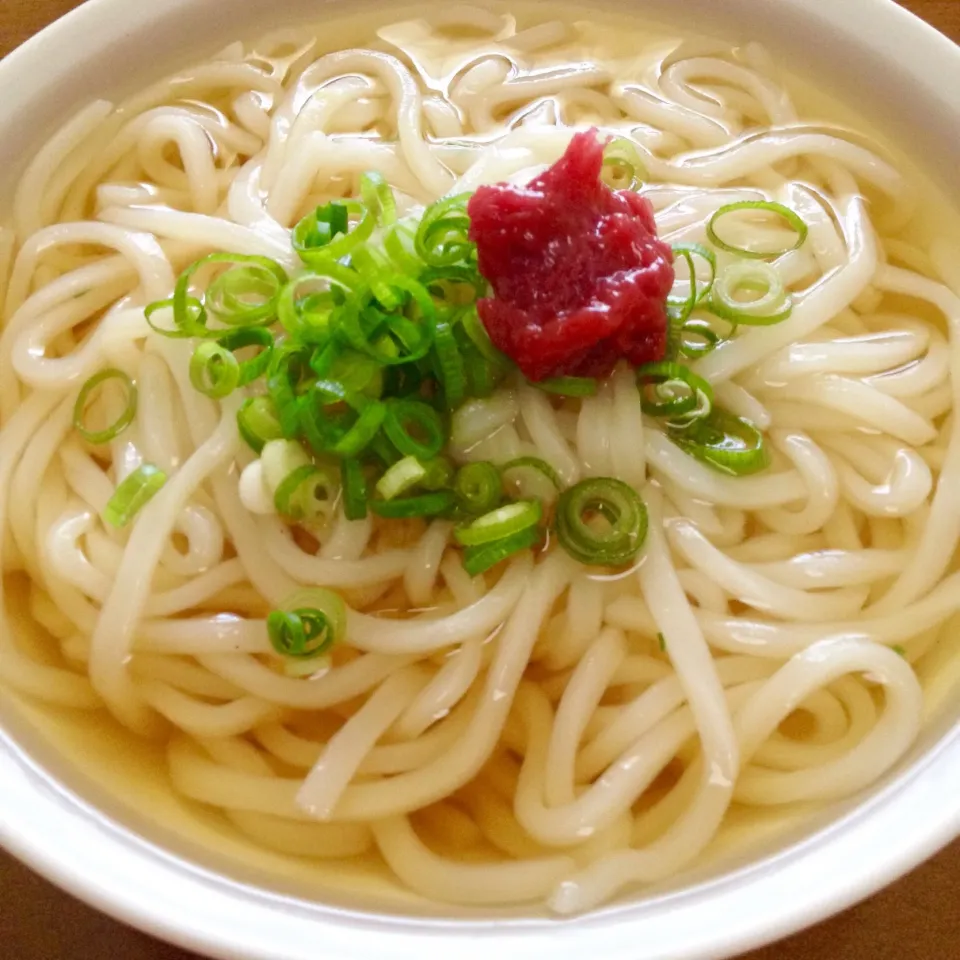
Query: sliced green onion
point(309, 624)
point(390, 338)
point(439, 473)
point(305, 493)
point(133, 494)
point(85, 396)
point(384, 450)
point(661, 641)
point(361, 433)
point(623, 165)
point(354, 489)
point(189, 318)
point(472, 326)
point(793, 220)
point(451, 370)
point(673, 390)
point(477, 560)
point(399, 243)
point(326, 234)
point(356, 371)
point(214, 370)
point(568, 386)
point(328, 424)
point(482, 374)
point(414, 428)
point(286, 378)
point(680, 308)
point(426, 505)
point(257, 422)
point(478, 487)
point(460, 285)
point(245, 294)
point(503, 522)
point(401, 477)
point(256, 366)
point(770, 304)
point(306, 306)
point(697, 339)
point(601, 522)
point(443, 234)
point(378, 197)
point(374, 266)
point(725, 442)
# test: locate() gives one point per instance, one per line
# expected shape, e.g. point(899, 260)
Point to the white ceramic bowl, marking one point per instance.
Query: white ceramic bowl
point(130, 848)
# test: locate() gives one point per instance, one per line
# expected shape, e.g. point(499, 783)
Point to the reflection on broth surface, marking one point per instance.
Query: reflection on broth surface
point(294, 517)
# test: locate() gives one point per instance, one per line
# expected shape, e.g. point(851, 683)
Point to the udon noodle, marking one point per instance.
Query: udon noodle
point(547, 731)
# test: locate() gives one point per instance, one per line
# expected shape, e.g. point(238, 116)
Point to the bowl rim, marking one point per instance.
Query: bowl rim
point(59, 835)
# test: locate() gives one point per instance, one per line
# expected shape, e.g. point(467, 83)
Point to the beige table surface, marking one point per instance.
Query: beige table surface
point(917, 918)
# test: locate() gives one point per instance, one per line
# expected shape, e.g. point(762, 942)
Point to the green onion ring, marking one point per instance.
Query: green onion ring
point(772, 306)
point(189, 319)
point(354, 486)
point(401, 477)
point(620, 508)
point(679, 391)
point(451, 370)
point(296, 498)
point(725, 442)
point(308, 624)
point(83, 399)
point(256, 366)
point(620, 152)
point(325, 235)
point(478, 486)
point(214, 370)
point(682, 307)
point(310, 317)
point(778, 209)
point(443, 234)
point(227, 296)
point(401, 416)
point(133, 494)
point(477, 560)
point(257, 422)
point(502, 522)
point(377, 196)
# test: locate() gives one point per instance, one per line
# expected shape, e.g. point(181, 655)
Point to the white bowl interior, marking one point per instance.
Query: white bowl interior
point(89, 761)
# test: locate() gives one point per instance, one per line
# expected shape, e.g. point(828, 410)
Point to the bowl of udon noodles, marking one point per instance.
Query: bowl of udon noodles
point(479, 478)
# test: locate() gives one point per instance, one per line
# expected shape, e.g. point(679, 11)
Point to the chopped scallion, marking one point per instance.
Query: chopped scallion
point(793, 220)
point(414, 428)
point(502, 522)
point(725, 442)
point(309, 624)
point(601, 522)
point(133, 494)
point(88, 394)
point(478, 487)
point(479, 559)
point(752, 293)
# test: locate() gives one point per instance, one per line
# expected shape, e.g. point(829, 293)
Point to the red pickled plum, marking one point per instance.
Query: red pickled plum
point(580, 278)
